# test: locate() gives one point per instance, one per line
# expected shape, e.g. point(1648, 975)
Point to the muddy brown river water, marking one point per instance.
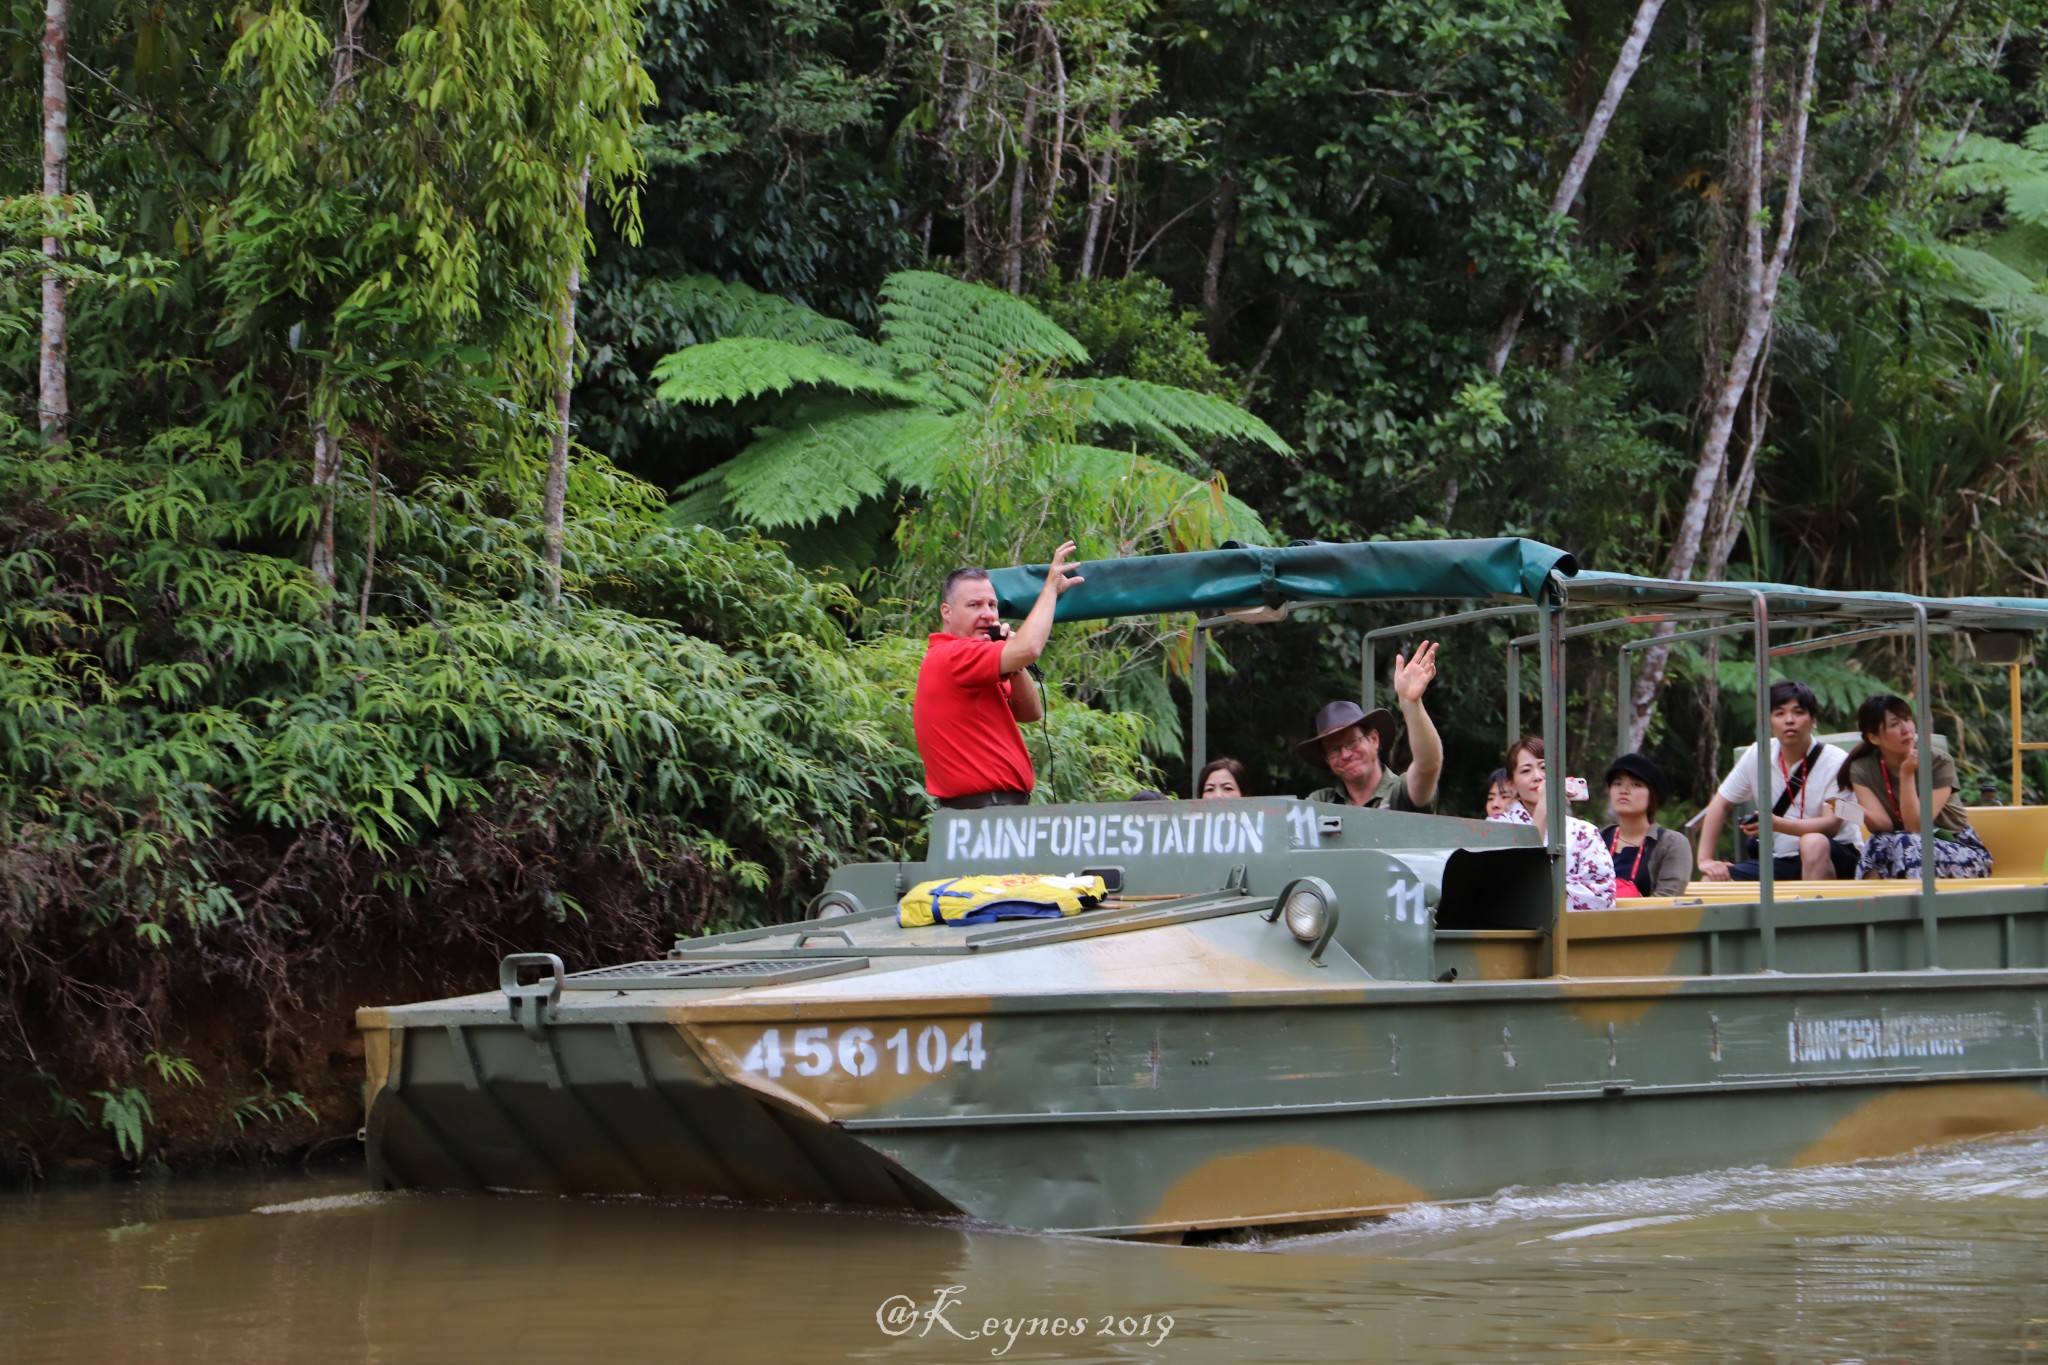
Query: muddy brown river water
point(1941, 1256)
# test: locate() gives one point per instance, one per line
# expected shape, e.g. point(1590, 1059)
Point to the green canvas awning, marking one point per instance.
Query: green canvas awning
point(1211, 581)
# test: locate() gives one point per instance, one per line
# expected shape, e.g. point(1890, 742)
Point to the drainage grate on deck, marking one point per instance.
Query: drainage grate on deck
point(673, 975)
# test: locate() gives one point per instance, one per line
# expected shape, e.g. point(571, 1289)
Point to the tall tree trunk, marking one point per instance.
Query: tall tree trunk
point(320, 401)
point(1760, 307)
point(1098, 198)
point(1909, 98)
point(1569, 188)
point(1729, 526)
point(1056, 159)
point(556, 494)
point(370, 538)
point(326, 479)
point(1013, 249)
point(1955, 145)
point(1219, 243)
point(53, 400)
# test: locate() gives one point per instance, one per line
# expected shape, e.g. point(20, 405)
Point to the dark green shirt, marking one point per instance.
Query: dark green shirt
point(1392, 794)
point(1871, 771)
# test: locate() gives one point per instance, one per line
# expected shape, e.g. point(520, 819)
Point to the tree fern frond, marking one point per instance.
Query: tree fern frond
point(747, 367)
point(846, 544)
point(705, 504)
point(820, 465)
point(1164, 413)
point(1983, 281)
point(2024, 247)
point(691, 309)
point(2018, 175)
point(921, 447)
point(1198, 513)
point(961, 335)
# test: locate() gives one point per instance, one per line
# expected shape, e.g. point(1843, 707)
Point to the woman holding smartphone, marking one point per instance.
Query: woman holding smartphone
point(1588, 870)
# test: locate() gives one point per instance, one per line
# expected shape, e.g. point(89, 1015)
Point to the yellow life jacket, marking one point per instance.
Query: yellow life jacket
point(982, 900)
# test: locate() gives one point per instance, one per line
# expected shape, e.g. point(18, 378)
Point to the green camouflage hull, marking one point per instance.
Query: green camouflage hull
point(1188, 1063)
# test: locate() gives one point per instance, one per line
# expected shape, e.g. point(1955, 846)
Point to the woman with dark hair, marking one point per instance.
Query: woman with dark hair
point(1221, 777)
point(1649, 860)
point(1588, 870)
point(1884, 770)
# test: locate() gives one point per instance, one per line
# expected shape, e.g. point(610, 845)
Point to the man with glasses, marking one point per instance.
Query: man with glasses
point(1353, 743)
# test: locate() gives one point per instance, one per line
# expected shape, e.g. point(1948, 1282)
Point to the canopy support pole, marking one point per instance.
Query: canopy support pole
point(1623, 699)
point(2016, 799)
point(1198, 726)
point(1766, 842)
point(1514, 698)
point(1365, 671)
point(1556, 807)
point(1923, 717)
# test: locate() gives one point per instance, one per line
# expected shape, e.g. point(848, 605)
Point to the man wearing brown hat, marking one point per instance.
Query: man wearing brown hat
point(1353, 742)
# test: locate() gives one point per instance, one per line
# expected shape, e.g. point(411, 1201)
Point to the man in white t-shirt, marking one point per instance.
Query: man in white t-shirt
point(1803, 825)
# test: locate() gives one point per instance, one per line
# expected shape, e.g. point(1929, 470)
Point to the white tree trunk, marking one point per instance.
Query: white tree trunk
point(1574, 182)
point(326, 479)
point(53, 400)
point(1759, 312)
point(555, 494)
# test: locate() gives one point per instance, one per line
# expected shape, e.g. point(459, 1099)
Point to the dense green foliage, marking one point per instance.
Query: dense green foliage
point(284, 690)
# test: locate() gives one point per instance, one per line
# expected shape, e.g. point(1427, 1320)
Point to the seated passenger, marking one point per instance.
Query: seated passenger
point(1499, 795)
point(1806, 780)
point(1588, 871)
point(1221, 777)
point(1354, 744)
point(1649, 860)
point(1884, 771)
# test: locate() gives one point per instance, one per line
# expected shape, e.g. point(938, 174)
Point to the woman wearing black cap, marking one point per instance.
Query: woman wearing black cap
point(1649, 860)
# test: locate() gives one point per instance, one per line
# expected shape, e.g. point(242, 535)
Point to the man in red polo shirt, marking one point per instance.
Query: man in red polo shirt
point(972, 690)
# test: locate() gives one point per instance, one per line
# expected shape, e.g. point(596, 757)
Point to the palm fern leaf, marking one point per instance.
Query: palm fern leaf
point(2018, 175)
point(703, 503)
point(1163, 413)
point(819, 465)
point(721, 308)
point(1197, 513)
point(747, 367)
point(691, 309)
point(921, 447)
point(1983, 281)
point(962, 336)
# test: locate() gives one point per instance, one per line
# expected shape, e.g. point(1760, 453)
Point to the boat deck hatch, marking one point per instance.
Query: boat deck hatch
point(670, 975)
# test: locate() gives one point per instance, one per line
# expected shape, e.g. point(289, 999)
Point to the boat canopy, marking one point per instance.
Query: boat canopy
point(1254, 577)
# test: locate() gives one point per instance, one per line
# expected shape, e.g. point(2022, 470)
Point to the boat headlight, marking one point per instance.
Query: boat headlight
point(1310, 908)
point(1306, 913)
point(833, 904)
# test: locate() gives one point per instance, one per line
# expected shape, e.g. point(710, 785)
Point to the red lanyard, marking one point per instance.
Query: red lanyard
point(1786, 773)
point(1898, 816)
point(1614, 846)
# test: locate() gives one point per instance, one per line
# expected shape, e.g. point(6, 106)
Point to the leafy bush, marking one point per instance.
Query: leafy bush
point(213, 772)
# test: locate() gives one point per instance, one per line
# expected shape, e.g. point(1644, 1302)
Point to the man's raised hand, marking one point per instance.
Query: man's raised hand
point(1412, 676)
point(1060, 577)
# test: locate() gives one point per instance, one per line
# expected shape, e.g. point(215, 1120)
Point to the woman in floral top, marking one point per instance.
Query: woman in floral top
point(1588, 870)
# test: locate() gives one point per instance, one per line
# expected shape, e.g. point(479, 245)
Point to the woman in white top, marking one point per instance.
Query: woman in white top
point(1588, 870)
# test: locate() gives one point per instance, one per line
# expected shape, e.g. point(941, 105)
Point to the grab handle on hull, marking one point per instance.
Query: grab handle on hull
point(533, 1002)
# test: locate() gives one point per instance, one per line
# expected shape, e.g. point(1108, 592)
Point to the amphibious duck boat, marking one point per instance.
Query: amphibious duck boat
point(1279, 1012)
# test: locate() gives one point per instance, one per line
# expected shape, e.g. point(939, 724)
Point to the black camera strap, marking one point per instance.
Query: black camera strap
point(1795, 780)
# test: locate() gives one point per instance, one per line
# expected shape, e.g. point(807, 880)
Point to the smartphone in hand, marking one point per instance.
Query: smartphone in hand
point(1575, 789)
